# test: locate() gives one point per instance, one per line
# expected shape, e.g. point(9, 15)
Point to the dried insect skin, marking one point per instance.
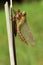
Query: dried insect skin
point(14, 25)
point(16, 14)
point(14, 19)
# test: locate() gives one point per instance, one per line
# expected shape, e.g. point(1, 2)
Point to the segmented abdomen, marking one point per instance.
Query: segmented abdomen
point(19, 32)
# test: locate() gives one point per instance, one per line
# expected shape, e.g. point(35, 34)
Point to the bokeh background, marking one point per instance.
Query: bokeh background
point(26, 55)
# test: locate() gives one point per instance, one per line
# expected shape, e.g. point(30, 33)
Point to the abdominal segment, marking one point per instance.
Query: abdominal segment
point(20, 34)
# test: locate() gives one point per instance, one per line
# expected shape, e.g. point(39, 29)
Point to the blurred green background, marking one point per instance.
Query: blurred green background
point(26, 55)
